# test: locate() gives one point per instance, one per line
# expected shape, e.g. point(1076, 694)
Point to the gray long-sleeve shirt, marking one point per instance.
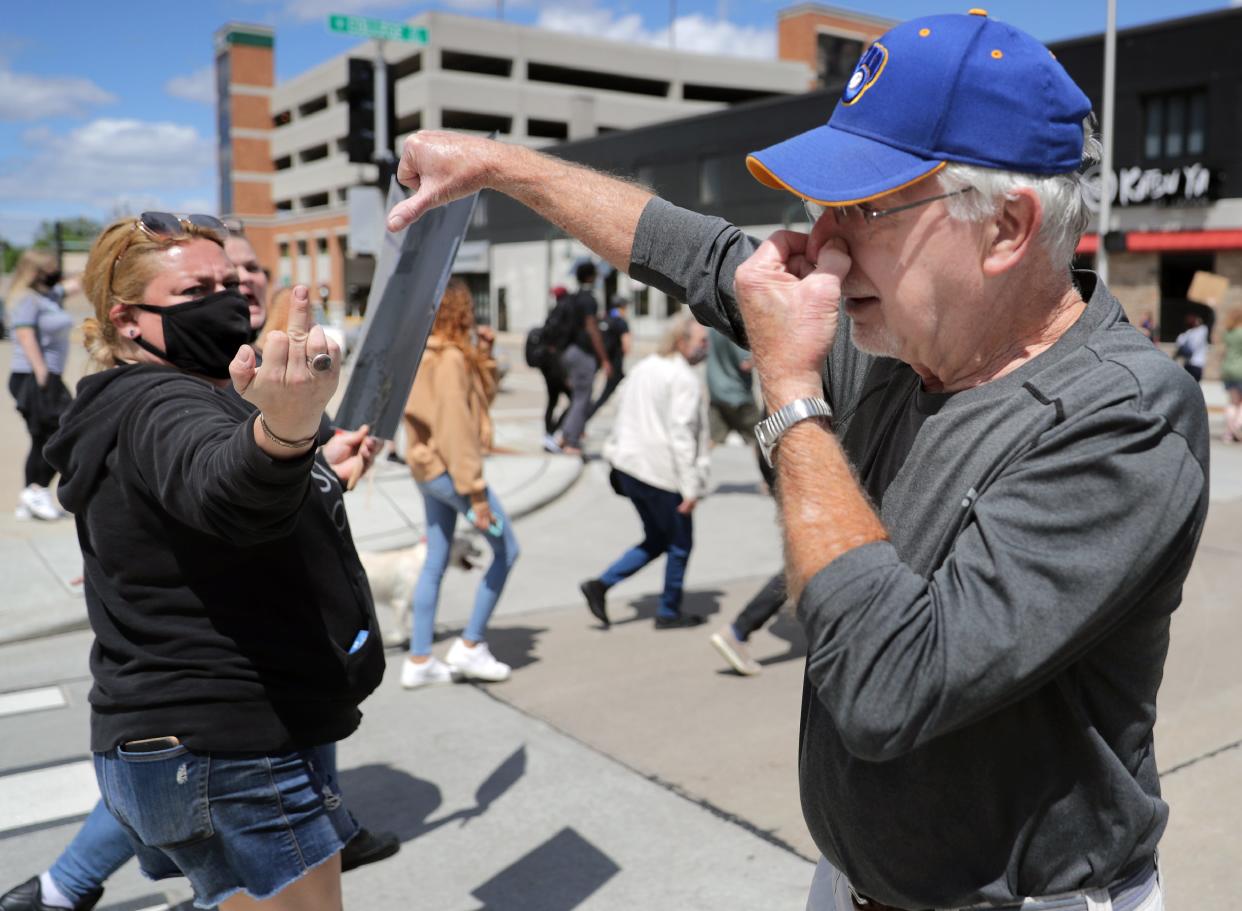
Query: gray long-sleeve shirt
point(980, 690)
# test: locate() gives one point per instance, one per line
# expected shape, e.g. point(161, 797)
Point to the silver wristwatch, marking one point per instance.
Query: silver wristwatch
point(770, 430)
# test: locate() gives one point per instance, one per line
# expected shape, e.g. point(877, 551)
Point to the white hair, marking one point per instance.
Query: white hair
point(1062, 196)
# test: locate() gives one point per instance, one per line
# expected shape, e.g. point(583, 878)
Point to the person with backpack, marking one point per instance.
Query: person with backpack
point(583, 356)
point(616, 332)
point(544, 345)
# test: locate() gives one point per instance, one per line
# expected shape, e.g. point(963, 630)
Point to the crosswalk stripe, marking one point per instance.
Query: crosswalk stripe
point(43, 795)
point(45, 697)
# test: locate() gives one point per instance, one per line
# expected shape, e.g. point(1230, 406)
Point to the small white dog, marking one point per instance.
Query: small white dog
point(393, 575)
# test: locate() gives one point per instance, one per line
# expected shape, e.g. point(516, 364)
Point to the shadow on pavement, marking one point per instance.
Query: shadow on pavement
point(559, 875)
point(382, 798)
point(699, 603)
point(789, 629)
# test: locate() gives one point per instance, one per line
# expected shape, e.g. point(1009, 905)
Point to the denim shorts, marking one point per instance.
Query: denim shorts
point(229, 823)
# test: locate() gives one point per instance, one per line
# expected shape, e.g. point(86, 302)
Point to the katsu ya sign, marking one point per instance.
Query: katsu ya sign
point(1140, 186)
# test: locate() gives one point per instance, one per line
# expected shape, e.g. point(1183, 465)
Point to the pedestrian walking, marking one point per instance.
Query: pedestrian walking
point(1192, 346)
point(732, 641)
point(448, 431)
point(658, 452)
point(731, 390)
point(550, 343)
point(615, 329)
point(955, 417)
point(222, 510)
point(582, 359)
point(40, 329)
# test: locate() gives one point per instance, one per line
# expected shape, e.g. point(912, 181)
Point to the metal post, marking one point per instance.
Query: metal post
point(1106, 165)
point(383, 144)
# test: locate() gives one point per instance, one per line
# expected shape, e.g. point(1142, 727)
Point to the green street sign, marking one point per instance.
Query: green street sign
point(376, 28)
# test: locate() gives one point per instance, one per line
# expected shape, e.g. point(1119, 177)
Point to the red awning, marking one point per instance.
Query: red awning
point(1170, 241)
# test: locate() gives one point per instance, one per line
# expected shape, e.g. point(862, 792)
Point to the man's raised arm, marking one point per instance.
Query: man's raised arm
point(688, 256)
point(600, 210)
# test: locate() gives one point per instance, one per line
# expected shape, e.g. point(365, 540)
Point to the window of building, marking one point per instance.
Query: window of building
point(642, 301)
point(306, 108)
point(410, 123)
point(321, 245)
point(282, 119)
point(478, 218)
point(1175, 124)
point(547, 129)
point(475, 120)
point(483, 64)
point(284, 205)
point(301, 248)
point(314, 201)
point(314, 153)
point(284, 248)
point(284, 163)
point(711, 181)
point(595, 79)
point(723, 93)
point(836, 56)
point(407, 67)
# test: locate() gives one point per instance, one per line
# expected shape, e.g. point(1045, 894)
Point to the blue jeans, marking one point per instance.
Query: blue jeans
point(227, 822)
point(443, 504)
point(102, 847)
point(665, 531)
point(99, 849)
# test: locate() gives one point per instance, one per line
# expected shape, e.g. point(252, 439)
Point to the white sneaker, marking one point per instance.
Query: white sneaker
point(431, 672)
point(22, 511)
point(734, 650)
point(476, 663)
point(40, 503)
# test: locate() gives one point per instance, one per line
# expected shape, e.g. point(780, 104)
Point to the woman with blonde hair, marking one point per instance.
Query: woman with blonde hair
point(448, 430)
point(1231, 373)
point(234, 631)
point(41, 333)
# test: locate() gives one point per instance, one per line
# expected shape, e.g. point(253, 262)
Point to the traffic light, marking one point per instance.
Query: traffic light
point(360, 93)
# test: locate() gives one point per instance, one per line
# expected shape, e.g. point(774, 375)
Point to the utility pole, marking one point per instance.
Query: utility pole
point(383, 144)
point(1106, 165)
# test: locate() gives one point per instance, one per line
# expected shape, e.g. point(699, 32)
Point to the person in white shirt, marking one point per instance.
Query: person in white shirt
point(658, 450)
point(1192, 346)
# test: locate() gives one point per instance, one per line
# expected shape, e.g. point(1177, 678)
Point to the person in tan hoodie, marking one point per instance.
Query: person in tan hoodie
point(448, 430)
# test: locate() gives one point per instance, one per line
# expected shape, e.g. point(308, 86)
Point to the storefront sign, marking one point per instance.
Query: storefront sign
point(1136, 186)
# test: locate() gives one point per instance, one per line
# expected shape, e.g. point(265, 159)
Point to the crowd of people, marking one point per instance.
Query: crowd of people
point(959, 431)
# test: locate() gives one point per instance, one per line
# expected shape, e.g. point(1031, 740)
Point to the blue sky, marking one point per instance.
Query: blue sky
point(107, 108)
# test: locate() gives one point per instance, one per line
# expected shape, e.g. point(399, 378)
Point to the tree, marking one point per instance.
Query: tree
point(75, 233)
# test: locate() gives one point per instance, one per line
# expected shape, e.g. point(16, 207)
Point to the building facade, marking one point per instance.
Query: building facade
point(284, 162)
point(1177, 150)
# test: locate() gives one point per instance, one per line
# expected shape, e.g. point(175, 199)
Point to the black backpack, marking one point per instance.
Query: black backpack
point(553, 337)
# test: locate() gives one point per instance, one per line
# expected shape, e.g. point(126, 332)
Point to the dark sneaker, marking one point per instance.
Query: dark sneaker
point(29, 897)
point(367, 847)
point(681, 621)
point(593, 590)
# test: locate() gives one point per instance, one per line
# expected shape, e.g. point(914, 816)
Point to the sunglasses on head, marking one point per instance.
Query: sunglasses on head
point(166, 224)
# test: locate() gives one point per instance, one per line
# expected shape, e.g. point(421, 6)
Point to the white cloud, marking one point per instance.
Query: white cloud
point(198, 86)
point(110, 164)
point(309, 10)
point(27, 97)
point(694, 32)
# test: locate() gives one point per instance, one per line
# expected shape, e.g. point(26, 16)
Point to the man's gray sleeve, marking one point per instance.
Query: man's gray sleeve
point(692, 258)
point(1096, 522)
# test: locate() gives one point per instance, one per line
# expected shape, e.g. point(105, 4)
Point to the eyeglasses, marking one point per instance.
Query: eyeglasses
point(842, 214)
point(166, 224)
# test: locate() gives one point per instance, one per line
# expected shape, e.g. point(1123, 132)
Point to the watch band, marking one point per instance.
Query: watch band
point(769, 431)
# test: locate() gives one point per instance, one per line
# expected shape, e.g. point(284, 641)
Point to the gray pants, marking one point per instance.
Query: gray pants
point(580, 370)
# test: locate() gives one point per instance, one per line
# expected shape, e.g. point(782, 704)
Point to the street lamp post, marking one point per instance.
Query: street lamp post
point(1106, 165)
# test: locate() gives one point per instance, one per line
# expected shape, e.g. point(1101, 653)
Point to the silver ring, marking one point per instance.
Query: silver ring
point(321, 363)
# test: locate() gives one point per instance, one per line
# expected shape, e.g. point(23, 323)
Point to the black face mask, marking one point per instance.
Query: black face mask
point(203, 335)
point(52, 279)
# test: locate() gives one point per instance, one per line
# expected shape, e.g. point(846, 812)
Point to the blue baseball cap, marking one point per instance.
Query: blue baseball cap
point(961, 88)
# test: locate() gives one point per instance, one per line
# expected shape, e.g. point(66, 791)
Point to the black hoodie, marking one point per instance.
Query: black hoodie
point(222, 585)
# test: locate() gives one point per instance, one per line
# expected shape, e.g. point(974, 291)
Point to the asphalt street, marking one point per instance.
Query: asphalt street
point(616, 769)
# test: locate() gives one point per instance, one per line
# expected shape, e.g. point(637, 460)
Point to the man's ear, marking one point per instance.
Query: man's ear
point(1014, 231)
